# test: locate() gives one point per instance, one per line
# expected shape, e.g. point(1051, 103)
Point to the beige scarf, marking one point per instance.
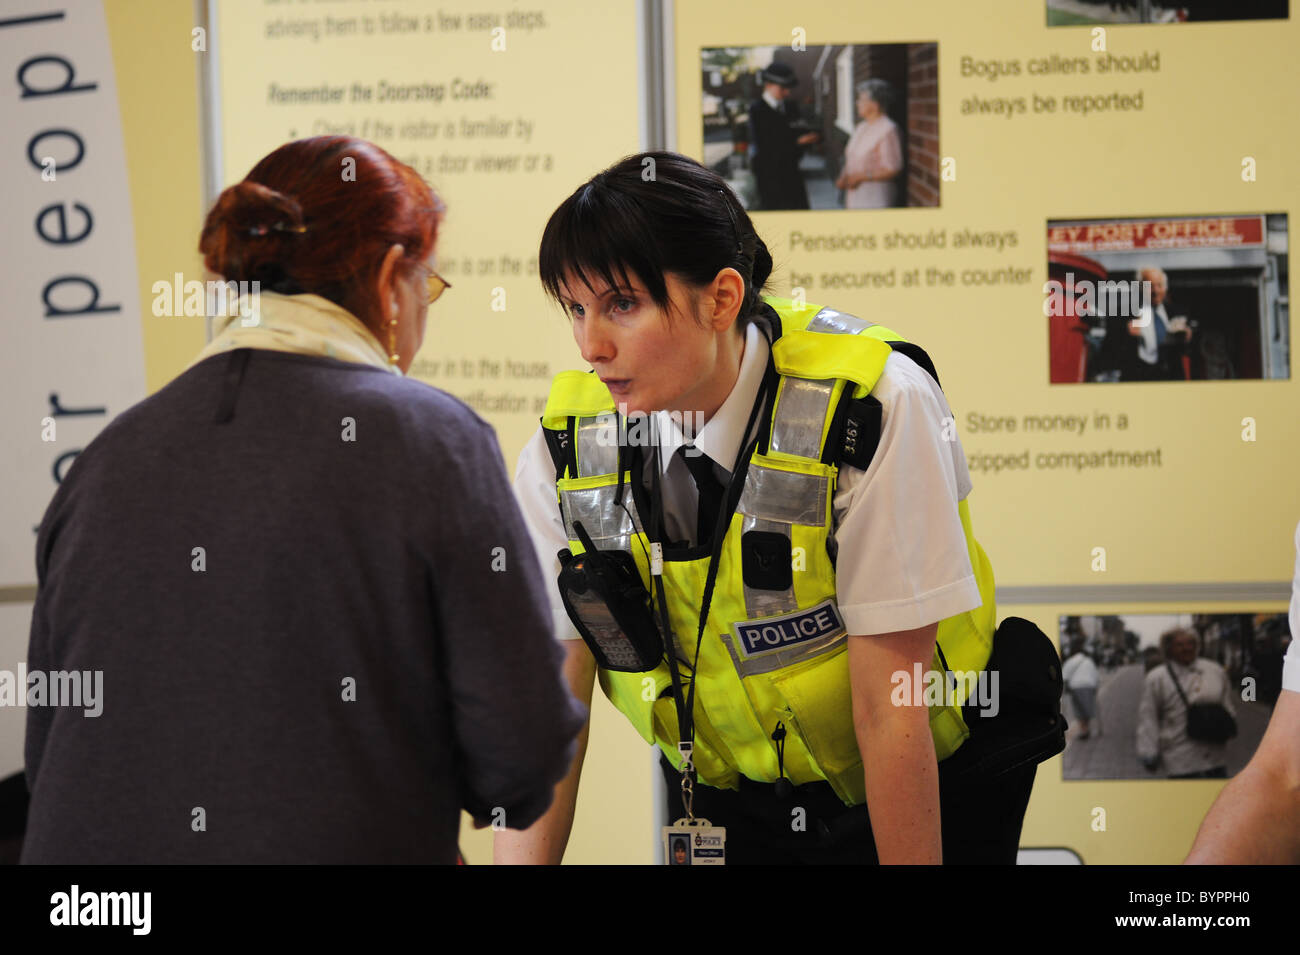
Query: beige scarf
point(302, 324)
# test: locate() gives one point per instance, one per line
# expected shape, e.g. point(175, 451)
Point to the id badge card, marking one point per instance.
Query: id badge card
point(695, 842)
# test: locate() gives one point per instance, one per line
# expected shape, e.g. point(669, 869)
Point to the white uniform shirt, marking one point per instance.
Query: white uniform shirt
point(902, 561)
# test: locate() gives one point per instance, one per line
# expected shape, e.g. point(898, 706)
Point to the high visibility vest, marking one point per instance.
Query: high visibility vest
point(767, 655)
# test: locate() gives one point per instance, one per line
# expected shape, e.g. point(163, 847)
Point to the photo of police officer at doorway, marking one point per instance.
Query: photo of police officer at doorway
point(834, 126)
point(1126, 677)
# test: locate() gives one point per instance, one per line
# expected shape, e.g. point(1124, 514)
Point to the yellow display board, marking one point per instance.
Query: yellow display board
point(1032, 173)
point(504, 108)
point(1142, 139)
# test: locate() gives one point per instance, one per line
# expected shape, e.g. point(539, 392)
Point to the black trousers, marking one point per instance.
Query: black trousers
point(981, 821)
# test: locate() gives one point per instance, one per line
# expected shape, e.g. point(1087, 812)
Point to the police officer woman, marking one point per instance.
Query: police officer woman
point(781, 494)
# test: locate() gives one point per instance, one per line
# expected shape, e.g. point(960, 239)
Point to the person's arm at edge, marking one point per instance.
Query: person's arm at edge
point(544, 842)
point(898, 758)
point(1256, 819)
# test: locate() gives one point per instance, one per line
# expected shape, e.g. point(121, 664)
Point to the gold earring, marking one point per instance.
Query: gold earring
point(392, 337)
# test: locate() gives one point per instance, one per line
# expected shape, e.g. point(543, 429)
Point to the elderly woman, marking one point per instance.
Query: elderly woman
point(316, 611)
point(873, 157)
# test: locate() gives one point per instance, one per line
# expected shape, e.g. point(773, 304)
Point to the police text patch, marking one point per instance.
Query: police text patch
point(770, 634)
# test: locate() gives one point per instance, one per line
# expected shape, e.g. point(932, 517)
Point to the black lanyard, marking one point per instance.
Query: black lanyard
point(685, 703)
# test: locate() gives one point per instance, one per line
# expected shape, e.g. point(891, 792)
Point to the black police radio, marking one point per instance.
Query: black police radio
point(606, 600)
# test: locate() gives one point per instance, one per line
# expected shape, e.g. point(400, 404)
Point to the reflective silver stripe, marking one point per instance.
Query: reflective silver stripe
point(772, 501)
point(784, 496)
point(837, 323)
point(767, 603)
point(597, 445)
point(783, 658)
point(800, 413)
point(609, 525)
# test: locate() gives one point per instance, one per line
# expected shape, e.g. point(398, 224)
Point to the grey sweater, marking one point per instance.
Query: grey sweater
point(362, 647)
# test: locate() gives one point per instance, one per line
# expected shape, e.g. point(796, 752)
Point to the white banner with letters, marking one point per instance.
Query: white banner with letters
point(72, 355)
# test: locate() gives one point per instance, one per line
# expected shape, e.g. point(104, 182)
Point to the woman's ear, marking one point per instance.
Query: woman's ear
point(728, 294)
point(386, 283)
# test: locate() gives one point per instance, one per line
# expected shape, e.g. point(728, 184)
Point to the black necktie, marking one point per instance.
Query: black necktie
point(711, 492)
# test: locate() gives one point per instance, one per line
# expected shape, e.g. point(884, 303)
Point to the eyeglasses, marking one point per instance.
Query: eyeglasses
point(435, 285)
